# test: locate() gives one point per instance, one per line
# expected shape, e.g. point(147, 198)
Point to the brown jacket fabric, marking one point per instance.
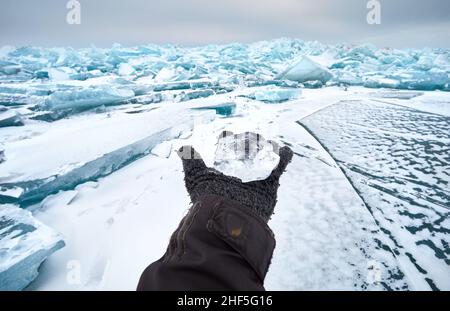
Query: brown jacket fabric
point(219, 245)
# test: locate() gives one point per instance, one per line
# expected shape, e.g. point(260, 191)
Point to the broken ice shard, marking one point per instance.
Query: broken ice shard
point(28, 192)
point(305, 70)
point(103, 77)
point(24, 244)
point(251, 64)
point(125, 69)
point(10, 118)
point(152, 98)
point(247, 156)
point(185, 96)
point(83, 99)
point(2, 154)
point(9, 68)
point(163, 150)
point(225, 109)
point(396, 94)
point(60, 74)
point(14, 100)
point(276, 95)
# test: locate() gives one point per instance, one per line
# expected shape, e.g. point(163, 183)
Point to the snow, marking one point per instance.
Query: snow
point(247, 156)
point(125, 69)
point(362, 206)
point(162, 150)
point(432, 102)
point(165, 75)
point(396, 94)
point(58, 74)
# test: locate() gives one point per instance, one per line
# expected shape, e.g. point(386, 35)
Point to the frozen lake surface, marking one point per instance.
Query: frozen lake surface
point(89, 178)
point(398, 160)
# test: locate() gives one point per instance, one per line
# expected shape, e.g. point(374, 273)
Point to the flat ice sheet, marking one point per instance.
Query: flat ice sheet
point(398, 159)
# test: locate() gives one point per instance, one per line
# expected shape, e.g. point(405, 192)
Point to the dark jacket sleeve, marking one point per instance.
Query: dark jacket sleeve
point(219, 245)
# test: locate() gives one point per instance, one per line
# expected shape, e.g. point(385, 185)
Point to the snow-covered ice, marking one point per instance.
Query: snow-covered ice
point(224, 109)
point(10, 118)
point(76, 80)
point(24, 244)
point(83, 149)
point(272, 94)
point(326, 236)
point(398, 159)
point(163, 149)
point(125, 69)
point(363, 205)
point(83, 99)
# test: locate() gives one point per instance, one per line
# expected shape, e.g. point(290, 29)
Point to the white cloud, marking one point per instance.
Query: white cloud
point(131, 22)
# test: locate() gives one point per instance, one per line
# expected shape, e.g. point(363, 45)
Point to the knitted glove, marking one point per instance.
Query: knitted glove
point(259, 196)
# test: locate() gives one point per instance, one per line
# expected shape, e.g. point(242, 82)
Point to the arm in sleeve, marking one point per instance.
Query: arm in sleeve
point(219, 245)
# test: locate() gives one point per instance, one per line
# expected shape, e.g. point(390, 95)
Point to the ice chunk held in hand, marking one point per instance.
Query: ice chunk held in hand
point(247, 156)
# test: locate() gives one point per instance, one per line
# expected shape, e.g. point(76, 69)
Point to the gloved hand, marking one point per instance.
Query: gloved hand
point(259, 196)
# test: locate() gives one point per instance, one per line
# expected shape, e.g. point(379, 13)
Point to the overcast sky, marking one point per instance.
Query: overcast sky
point(404, 23)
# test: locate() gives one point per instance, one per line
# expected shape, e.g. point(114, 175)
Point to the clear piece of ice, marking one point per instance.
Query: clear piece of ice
point(247, 156)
